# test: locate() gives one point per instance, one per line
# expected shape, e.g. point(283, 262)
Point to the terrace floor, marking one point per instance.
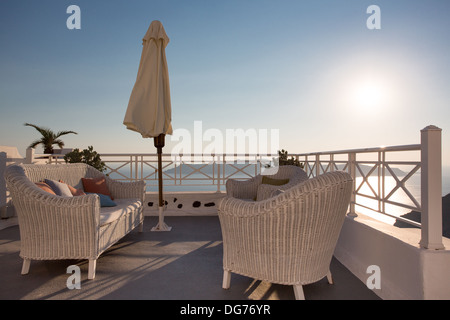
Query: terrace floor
point(183, 264)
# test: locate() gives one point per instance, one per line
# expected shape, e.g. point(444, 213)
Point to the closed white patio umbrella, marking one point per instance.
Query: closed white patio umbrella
point(149, 110)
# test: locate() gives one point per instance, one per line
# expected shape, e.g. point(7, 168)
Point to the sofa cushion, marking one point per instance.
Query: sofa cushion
point(105, 201)
point(75, 192)
point(96, 185)
point(273, 181)
point(45, 187)
point(60, 189)
point(124, 206)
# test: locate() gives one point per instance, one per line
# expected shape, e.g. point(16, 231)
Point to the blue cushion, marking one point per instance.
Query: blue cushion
point(60, 189)
point(105, 201)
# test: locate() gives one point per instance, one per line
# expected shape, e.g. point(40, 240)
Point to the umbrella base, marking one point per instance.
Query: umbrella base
point(161, 226)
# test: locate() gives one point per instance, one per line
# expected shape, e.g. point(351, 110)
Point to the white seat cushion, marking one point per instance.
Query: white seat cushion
point(124, 206)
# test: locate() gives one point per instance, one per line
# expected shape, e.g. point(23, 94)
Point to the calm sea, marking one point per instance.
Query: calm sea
point(189, 180)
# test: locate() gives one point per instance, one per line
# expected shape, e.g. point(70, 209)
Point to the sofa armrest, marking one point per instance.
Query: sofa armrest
point(123, 190)
point(54, 227)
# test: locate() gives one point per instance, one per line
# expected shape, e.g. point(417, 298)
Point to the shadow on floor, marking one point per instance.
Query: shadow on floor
point(183, 264)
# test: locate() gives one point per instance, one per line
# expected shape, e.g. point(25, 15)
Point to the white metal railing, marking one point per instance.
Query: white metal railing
point(379, 176)
point(427, 165)
point(204, 172)
point(378, 179)
point(181, 172)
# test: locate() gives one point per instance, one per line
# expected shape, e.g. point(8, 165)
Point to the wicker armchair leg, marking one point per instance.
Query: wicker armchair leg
point(226, 279)
point(26, 266)
point(92, 265)
point(329, 277)
point(298, 292)
point(141, 227)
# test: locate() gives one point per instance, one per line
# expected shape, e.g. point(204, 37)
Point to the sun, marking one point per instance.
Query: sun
point(369, 95)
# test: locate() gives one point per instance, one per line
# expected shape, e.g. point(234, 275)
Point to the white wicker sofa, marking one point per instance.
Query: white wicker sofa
point(289, 238)
point(56, 227)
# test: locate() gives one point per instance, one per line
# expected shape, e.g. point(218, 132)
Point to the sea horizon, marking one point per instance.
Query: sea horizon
point(188, 174)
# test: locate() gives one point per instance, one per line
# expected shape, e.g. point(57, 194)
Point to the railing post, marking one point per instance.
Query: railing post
point(431, 188)
point(136, 166)
point(141, 170)
point(306, 168)
point(3, 208)
point(383, 181)
point(218, 171)
point(30, 156)
point(352, 172)
point(317, 165)
point(223, 169)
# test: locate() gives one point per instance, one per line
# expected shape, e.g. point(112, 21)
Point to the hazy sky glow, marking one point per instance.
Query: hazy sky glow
point(311, 69)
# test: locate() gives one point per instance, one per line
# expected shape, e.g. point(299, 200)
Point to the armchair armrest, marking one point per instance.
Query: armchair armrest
point(231, 206)
point(254, 229)
point(243, 189)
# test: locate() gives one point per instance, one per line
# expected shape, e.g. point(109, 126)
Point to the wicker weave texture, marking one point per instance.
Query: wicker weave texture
point(54, 227)
point(290, 238)
point(247, 189)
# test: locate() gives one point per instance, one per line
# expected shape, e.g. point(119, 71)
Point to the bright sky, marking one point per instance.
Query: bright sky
point(311, 69)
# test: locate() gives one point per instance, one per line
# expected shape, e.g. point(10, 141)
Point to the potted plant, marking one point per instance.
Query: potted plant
point(88, 156)
point(48, 139)
point(284, 160)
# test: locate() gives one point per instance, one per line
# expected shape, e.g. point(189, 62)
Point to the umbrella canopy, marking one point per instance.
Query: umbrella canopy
point(149, 109)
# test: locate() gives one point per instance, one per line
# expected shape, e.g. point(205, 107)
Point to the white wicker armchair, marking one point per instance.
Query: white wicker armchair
point(61, 227)
point(254, 189)
point(287, 239)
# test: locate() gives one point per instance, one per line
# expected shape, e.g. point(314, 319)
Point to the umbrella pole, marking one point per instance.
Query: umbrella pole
point(161, 226)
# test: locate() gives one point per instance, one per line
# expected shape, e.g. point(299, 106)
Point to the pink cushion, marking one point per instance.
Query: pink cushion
point(45, 187)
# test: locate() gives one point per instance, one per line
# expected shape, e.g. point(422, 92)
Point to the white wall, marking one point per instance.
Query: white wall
point(407, 271)
point(8, 155)
point(186, 200)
